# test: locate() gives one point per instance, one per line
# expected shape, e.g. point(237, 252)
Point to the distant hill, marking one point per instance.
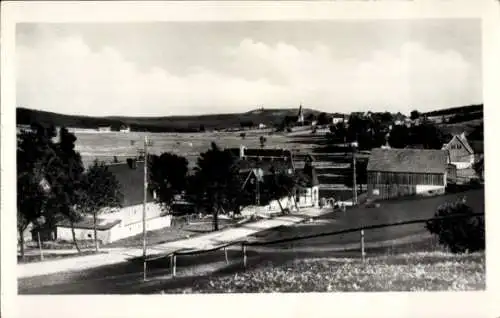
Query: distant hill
point(455, 110)
point(269, 117)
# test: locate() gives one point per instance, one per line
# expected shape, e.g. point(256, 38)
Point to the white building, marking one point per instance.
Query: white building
point(125, 129)
point(126, 221)
point(105, 129)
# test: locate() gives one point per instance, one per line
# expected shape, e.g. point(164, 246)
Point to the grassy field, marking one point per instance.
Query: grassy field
point(106, 145)
point(388, 212)
point(421, 271)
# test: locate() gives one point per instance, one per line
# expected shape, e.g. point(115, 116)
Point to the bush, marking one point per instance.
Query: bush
point(459, 235)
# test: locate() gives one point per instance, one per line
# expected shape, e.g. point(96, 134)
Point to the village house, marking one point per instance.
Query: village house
point(337, 119)
point(105, 129)
point(127, 220)
point(393, 173)
point(460, 152)
point(399, 119)
point(125, 129)
point(261, 164)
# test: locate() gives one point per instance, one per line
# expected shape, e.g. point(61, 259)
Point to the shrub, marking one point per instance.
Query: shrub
point(459, 235)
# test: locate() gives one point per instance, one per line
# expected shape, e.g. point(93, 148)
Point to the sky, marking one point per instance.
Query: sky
point(184, 68)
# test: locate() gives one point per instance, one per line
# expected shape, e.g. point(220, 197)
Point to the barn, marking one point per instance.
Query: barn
point(394, 173)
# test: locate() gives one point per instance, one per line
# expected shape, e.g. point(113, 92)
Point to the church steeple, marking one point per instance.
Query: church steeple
point(300, 115)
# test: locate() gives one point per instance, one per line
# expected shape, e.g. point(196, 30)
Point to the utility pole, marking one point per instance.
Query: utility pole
point(144, 205)
point(355, 190)
point(257, 192)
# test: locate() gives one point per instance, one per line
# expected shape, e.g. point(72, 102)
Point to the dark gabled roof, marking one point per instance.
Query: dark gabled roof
point(266, 164)
point(408, 160)
point(132, 183)
point(461, 139)
point(87, 223)
point(261, 152)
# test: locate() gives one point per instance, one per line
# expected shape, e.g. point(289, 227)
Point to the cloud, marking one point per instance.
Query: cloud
point(63, 74)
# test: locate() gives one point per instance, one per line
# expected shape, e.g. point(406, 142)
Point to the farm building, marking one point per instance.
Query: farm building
point(393, 173)
point(262, 164)
point(127, 220)
point(460, 151)
point(105, 129)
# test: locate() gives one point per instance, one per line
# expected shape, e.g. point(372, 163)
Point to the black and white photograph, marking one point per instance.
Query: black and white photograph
point(249, 156)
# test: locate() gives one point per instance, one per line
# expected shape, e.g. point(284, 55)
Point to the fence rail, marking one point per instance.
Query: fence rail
point(245, 243)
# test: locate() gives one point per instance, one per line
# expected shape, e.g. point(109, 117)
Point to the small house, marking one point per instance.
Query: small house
point(393, 173)
point(460, 152)
point(261, 164)
point(105, 129)
point(127, 220)
point(125, 129)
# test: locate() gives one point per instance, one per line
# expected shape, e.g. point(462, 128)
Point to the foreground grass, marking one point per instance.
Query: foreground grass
point(423, 271)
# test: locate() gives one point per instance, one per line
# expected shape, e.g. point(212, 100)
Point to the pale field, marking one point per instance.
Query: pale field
point(104, 146)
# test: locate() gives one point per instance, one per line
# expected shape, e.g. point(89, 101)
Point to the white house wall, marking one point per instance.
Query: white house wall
point(429, 189)
point(308, 198)
point(130, 225)
point(133, 214)
point(121, 230)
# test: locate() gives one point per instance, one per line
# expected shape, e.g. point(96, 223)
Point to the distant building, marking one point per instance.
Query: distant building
point(336, 120)
point(394, 173)
point(460, 151)
point(105, 129)
point(127, 220)
point(124, 129)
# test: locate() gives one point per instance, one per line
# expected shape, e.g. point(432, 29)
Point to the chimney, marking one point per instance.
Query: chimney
point(132, 163)
point(242, 152)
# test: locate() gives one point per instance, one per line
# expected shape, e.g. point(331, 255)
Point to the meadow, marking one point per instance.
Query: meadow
point(104, 146)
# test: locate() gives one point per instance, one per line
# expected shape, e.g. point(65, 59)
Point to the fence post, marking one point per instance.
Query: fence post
point(173, 261)
point(363, 245)
point(244, 247)
point(225, 254)
point(175, 265)
point(40, 245)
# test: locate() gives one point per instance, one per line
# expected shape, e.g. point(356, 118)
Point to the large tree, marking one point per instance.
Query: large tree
point(415, 114)
point(69, 187)
point(100, 193)
point(399, 136)
point(323, 119)
point(167, 177)
point(37, 163)
point(216, 183)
